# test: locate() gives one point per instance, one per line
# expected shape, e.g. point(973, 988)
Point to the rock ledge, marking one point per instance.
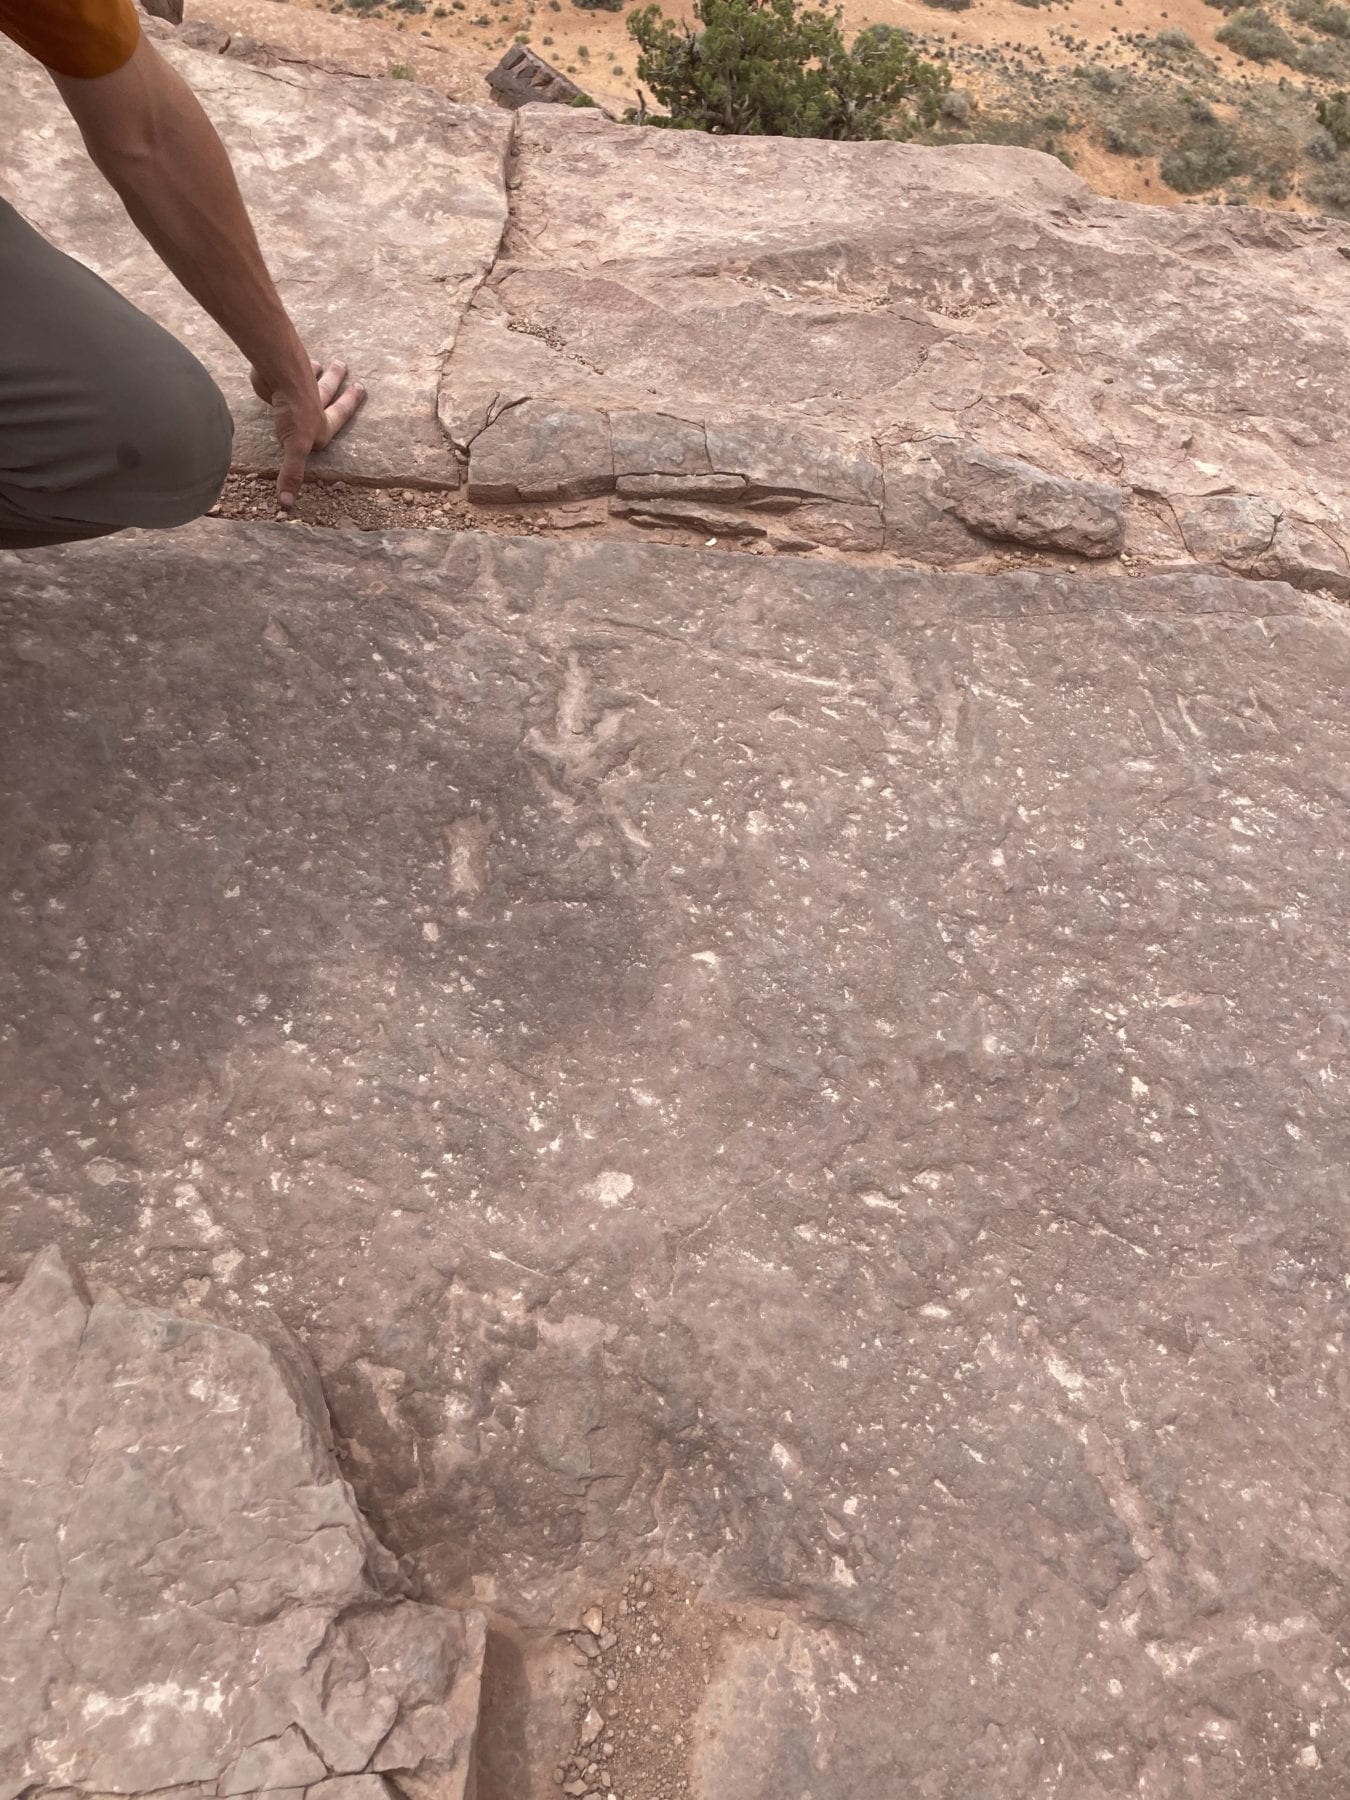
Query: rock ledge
point(189, 1597)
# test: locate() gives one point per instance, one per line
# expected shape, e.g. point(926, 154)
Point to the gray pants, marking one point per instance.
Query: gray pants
point(106, 421)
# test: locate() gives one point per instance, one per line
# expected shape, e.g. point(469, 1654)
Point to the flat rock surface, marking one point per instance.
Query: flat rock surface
point(848, 330)
point(827, 1085)
point(189, 1598)
point(861, 300)
point(379, 206)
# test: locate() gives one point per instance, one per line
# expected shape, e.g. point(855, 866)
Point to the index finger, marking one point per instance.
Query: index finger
point(291, 476)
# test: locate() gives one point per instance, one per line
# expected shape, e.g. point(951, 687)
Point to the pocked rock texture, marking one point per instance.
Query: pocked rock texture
point(189, 1599)
point(829, 1081)
point(380, 206)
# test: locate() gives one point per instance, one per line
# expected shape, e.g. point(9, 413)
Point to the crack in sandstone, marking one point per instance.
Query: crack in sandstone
point(508, 166)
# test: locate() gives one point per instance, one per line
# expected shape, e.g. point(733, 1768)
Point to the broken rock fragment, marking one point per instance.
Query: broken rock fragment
point(537, 451)
point(1226, 528)
point(189, 1596)
point(690, 515)
point(1004, 498)
point(1252, 536)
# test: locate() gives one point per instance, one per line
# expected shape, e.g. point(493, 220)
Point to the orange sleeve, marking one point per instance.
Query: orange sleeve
point(73, 37)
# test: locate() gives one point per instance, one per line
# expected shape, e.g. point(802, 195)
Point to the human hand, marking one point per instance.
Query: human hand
point(307, 416)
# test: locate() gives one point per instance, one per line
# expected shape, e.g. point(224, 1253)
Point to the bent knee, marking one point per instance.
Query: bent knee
point(106, 419)
point(144, 444)
point(173, 459)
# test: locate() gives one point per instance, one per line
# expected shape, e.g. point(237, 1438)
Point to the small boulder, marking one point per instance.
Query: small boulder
point(1011, 501)
point(523, 77)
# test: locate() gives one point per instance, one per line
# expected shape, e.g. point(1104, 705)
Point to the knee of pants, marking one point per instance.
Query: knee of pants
point(141, 442)
point(106, 419)
point(174, 457)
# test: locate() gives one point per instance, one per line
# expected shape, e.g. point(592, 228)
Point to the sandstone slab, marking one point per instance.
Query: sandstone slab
point(379, 206)
point(189, 1598)
point(825, 311)
point(806, 317)
point(831, 1080)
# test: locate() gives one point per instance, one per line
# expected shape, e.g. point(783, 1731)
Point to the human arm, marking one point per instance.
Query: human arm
point(147, 134)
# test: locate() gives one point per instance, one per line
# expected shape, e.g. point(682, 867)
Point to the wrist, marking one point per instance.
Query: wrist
point(281, 363)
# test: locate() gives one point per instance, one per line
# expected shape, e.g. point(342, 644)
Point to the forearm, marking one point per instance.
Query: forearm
point(147, 133)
